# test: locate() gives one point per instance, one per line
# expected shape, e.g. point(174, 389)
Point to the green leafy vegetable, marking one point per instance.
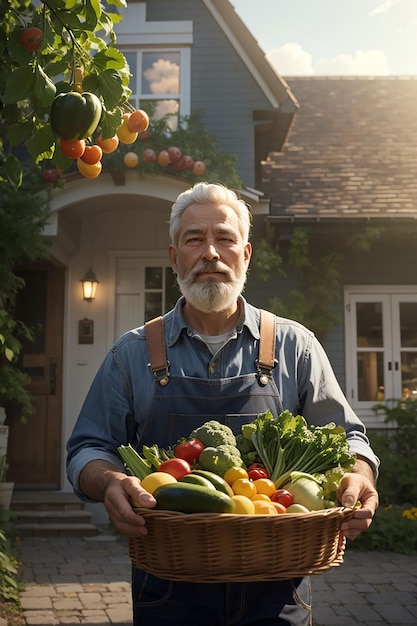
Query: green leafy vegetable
point(288, 444)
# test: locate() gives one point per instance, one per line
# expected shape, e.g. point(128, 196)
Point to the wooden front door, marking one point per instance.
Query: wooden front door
point(34, 449)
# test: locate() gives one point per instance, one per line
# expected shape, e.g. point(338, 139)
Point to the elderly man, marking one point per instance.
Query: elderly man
point(211, 340)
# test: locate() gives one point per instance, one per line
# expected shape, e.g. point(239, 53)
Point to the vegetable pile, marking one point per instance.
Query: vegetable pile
point(274, 465)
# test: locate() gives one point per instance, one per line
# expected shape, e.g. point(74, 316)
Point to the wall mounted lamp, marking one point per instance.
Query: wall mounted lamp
point(89, 284)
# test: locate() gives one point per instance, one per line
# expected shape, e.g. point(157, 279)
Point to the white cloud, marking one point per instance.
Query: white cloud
point(362, 63)
point(292, 60)
point(384, 7)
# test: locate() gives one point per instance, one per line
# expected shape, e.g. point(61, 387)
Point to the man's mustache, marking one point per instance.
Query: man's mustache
point(209, 266)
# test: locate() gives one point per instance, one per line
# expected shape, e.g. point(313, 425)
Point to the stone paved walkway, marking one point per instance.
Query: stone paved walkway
point(74, 580)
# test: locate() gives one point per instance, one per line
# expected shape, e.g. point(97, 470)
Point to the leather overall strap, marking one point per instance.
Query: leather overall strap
point(159, 364)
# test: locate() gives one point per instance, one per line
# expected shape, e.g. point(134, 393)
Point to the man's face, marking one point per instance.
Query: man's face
point(211, 257)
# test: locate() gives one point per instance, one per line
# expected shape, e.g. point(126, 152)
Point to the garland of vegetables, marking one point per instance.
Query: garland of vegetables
point(275, 465)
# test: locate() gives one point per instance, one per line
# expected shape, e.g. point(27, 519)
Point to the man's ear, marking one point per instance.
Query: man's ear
point(172, 253)
point(247, 253)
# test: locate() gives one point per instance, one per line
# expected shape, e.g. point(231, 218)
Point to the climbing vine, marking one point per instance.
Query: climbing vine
point(314, 277)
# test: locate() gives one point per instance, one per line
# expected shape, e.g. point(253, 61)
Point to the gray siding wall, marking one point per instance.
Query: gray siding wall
point(221, 85)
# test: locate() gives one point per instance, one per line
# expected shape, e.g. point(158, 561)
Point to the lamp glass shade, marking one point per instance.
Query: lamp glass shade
point(89, 285)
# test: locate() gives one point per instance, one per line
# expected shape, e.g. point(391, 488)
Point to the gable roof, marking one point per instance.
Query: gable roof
point(351, 153)
point(271, 125)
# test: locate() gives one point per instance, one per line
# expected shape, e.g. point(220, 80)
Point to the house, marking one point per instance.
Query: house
point(349, 168)
point(120, 230)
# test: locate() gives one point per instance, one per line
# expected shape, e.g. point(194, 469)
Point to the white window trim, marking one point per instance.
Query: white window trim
point(365, 411)
point(158, 255)
point(184, 95)
point(133, 29)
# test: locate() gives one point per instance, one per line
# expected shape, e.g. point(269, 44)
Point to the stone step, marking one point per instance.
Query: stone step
point(56, 530)
point(51, 513)
point(44, 500)
point(52, 516)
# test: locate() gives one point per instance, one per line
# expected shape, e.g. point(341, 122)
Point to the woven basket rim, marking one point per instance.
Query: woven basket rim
point(238, 548)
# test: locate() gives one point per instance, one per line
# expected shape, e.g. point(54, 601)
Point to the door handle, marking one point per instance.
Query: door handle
point(52, 376)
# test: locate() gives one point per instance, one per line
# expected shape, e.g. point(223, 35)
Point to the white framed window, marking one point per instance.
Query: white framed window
point(161, 77)
point(145, 287)
point(381, 346)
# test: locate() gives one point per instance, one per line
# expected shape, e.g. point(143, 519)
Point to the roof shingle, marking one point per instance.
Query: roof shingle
point(351, 153)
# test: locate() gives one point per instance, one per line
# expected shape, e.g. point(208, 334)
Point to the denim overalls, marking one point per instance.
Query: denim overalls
point(176, 409)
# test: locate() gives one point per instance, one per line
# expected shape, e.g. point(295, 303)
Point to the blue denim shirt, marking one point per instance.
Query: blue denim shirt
point(121, 393)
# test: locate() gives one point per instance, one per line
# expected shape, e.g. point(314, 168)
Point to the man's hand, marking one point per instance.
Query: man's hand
point(102, 482)
point(358, 486)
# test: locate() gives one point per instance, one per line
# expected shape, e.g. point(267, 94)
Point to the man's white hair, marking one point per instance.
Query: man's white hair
point(213, 193)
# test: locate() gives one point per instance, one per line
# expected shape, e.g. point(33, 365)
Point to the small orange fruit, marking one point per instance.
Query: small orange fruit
point(264, 508)
point(124, 133)
point(138, 121)
point(243, 505)
point(233, 473)
point(163, 158)
point(108, 145)
point(261, 496)
point(131, 159)
point(264, 485)
point(243, 487)
point(89, 171)
point(152, 481)
point(199, 168)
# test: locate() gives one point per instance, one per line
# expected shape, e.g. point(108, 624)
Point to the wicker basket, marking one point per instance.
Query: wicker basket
point(211, 547)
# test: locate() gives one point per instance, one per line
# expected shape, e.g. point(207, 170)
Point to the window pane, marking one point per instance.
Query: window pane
point(153, 305)
point(408, 324)
point(409, 374)
point(370, 376)
point(153, 278)
point(161, 73)
point(369, 324)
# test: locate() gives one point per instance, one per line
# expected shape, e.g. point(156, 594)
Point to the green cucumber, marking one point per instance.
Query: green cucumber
point(188, 498)
point(218, 481)
point(197, 480)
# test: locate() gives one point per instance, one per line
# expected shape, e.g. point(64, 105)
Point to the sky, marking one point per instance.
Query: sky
point(335, 37)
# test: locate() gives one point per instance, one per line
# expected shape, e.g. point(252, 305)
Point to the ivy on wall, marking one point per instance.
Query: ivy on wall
point(314, 275)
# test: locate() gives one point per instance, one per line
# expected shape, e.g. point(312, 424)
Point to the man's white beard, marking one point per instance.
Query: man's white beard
point(211, 295)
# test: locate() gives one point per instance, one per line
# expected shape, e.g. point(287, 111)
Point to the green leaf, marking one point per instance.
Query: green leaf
point(109, 58)
point(110, 88)
point(110, 122)
point(8, 354)
point(92, 14)
point(17, 134)
point(40, 144)
point(19, 85)
point(13, 170)
point(44, 90)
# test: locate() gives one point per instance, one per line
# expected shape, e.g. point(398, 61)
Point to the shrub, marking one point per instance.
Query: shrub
point(396, 448)
point(393, 529)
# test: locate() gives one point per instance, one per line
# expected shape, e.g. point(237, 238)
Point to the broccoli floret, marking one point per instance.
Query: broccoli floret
point(212, 433)
point(247, 450)
point(220, 459)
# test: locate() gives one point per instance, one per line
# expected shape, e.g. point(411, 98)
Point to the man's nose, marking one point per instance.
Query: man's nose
point(210, 252)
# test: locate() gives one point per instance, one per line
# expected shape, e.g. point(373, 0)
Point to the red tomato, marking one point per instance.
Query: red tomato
point(176, 467)
point(189, 450)
point(258, 472)
point(92, 154)
point(50, 176)
point(282, 496)
point(72, 149)
point(258, 466)
point(31, 38)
